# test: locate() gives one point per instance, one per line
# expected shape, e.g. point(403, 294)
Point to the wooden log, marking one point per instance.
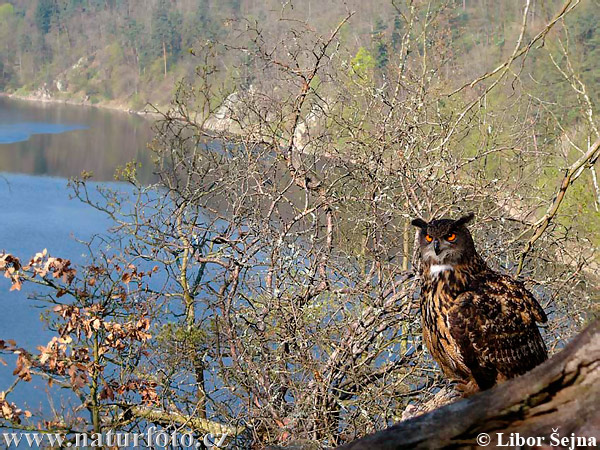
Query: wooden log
point(558, 401)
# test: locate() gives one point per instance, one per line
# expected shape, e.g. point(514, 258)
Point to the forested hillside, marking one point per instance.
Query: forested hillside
point(265, 287)
point(134, 52)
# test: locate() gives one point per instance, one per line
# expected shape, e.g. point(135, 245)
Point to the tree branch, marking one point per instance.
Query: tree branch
point(573, 172)
point(562, 393)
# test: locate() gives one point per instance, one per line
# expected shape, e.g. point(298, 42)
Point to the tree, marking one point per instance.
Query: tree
point(363, 64)
point(282, 307)
point(165, 36)
point(396, 36)
point(44, 13)
point(107, 320)
point(381, 46)
point(7, 52)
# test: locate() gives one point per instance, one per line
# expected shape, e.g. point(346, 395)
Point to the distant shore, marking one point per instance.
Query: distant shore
point(214, 124)
point(114, 106)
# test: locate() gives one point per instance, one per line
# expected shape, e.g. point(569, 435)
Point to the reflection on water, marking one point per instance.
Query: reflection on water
point(92, 139)
point(19, 132)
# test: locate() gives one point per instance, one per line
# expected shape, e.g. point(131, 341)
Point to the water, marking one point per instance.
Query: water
point(22, 131)
point(62, 140)
point(40, 146)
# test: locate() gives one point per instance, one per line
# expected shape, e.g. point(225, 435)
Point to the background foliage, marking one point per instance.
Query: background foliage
point(265, 286)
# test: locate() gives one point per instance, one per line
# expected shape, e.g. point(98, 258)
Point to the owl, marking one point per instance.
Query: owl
point(479, 325)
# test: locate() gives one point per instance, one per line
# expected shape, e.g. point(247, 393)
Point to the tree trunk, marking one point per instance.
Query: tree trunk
point(165, 57)
point(558, 400)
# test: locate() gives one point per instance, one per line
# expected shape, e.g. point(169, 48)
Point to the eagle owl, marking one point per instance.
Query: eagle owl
point(479, 325)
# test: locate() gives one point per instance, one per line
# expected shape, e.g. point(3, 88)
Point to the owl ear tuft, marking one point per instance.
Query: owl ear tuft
point(419, 223)
point(464, 220)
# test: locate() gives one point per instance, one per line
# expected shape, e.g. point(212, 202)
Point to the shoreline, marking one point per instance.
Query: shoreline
point(69, 101)
point(212, 124)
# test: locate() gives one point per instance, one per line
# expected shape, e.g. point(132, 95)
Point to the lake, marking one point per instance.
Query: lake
point(60, 140)
point(41, 146)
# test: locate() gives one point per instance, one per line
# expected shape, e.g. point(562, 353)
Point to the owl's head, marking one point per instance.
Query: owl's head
point(445, 242)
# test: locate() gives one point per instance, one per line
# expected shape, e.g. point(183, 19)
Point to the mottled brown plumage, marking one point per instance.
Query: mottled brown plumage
point(479, 325)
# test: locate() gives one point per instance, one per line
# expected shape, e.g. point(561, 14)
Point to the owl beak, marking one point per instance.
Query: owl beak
point(436, 247)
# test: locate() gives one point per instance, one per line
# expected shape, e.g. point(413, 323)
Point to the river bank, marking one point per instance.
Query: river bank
point(220, 123)
point(114, 105)
point(224, 120)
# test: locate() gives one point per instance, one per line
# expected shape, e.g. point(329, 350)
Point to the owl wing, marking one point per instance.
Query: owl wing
point(495, 331)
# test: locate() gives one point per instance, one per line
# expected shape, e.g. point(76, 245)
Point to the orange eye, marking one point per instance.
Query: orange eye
point(428, 238)
point(451, 237)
